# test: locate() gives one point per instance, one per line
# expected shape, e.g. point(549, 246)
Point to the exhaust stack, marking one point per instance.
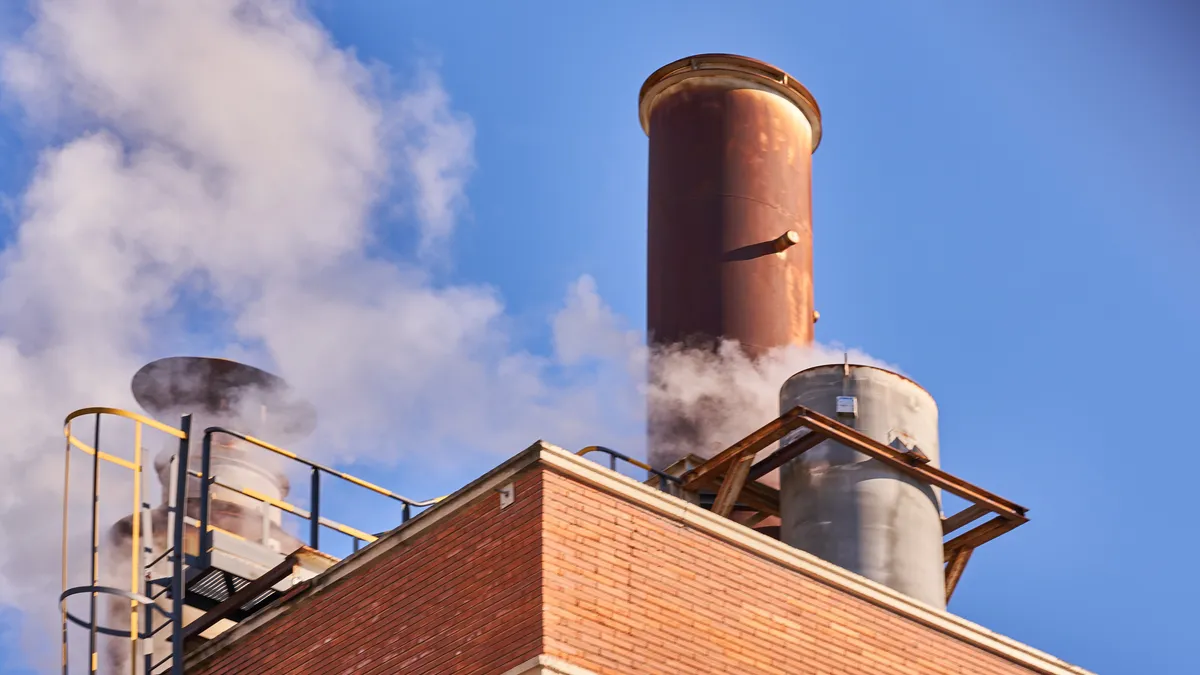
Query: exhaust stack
point(223, 393)
point(217, 393)
point(730, 211)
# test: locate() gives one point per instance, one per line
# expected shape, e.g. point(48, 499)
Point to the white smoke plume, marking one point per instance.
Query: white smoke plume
point(213, 186)
point(723, 395)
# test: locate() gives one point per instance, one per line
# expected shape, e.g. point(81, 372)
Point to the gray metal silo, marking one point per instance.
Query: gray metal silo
point(854, 511)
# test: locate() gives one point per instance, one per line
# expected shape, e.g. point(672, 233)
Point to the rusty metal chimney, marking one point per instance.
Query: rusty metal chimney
point(730, 209)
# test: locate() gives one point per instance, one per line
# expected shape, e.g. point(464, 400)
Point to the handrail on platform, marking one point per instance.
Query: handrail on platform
point(664, 479)
point(139, 595)
point(314, 517)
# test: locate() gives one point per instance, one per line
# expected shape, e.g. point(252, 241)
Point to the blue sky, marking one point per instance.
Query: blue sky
point(1004, 205)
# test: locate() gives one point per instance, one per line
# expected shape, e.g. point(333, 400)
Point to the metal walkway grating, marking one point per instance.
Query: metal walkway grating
point(214, 586)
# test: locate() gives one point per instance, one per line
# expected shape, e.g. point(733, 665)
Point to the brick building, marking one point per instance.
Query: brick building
point(553, 564)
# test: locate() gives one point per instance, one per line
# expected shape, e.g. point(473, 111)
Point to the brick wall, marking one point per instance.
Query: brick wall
point(590, 579)
point(627, 591)
point(463, 597)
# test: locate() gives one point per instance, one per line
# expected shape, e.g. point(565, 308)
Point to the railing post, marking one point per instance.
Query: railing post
point(205, 481)
point(147, 639)
point(95, 541)
point(264, 510)
point(177, 575)
point(314, 526)
point(407, 512)
point(148, 623)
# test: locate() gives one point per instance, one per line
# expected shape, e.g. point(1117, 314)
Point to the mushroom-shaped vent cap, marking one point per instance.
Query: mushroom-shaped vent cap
point(222, 388)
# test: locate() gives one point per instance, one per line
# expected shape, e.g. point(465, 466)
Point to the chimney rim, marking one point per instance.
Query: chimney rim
point(862, 366)
point(729, 65)
point(168, 384)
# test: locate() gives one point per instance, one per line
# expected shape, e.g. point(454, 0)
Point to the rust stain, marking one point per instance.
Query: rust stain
point(727, 174)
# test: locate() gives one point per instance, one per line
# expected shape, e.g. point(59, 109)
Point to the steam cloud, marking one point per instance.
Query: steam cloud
point(723, 395)
point(212, 184)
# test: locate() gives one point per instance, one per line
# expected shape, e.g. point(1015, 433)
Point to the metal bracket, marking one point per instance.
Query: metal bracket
point(508, 494)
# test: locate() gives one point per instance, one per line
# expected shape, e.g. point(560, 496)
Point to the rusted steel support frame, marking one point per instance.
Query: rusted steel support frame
point(965, 517)
point(732, 469)
point(753, 495)
point(785, 454)
point(827, 428)
point(979, 536)
point(731, 487)
point(756, 519)
point(750, 445)
point(237, 600)
point(902, 462)
point(954, 569)
point(746, 471)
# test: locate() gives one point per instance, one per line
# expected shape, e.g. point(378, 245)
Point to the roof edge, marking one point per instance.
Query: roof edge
point(805, 563)
point(596, 476)
point(544, 664)
point(481, 486)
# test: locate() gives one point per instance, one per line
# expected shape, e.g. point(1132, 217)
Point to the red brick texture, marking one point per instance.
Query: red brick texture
point(463, 597)
point(600, 583)
point(627, 591)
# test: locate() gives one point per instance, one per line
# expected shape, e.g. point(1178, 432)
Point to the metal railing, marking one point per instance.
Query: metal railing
point(316, 521)
point(145, 590)
point(138, 591)
point(665, 480)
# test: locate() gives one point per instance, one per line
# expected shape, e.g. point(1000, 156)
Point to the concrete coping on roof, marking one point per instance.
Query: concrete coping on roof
point(683, 513)
point(544, 664)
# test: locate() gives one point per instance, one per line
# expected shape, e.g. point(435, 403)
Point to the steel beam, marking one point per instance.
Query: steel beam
point(979, 536)
point(750, 445)
point(731, 486)
point(907, 464)
point(786, 454)
point(237, 600)
point(954, 569)
point(964, 517)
